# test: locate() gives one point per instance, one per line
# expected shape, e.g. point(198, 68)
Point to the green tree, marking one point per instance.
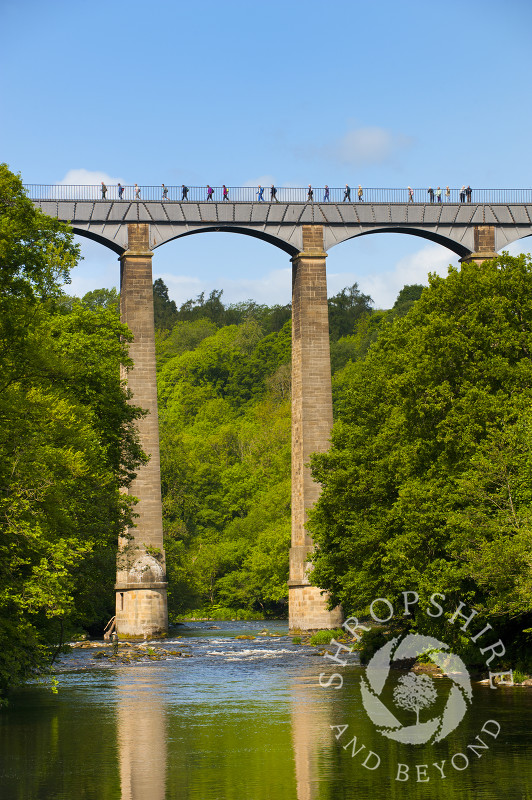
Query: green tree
point(165, 313)
point(345, 308)
point(225, 465)
point(427, 485)
point(67, 441)
point(102, 298)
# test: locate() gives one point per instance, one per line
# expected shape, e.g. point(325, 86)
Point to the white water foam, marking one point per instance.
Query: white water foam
point(240, 655)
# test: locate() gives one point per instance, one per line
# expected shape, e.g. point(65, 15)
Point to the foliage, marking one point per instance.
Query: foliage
point(102, 298)
point(368, 325)
point(225, 462)
point(67, 441)
point(164, 310)
point(218, 612)
point(345, 309)
point(371, 641)
point(326, 636)
point(428, 483)
point(270, 318)
point(183, 336)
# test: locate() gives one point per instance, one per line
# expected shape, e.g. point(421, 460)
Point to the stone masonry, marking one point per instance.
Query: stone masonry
point(311, 421)
point(141, 605)
point(484, 242)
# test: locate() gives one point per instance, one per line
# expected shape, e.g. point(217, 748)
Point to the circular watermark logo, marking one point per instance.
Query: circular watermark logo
point(415, 692)
point(400, 697)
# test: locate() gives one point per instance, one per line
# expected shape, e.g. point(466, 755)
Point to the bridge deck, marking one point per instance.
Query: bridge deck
point(451, 224)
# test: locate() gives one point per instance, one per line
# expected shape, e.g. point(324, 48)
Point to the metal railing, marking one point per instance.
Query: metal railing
point(252, 194)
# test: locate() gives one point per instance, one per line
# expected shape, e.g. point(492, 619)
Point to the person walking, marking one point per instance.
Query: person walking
point(165, 192)
point(210, 192)
point(360, 194)
point(120, 191)
point(184, 192)
point(347, 194)
point(310, 194)
point(410, 195)
point(462, 194)
point(260, 194)
point(326, 195)
point(137, 192)
point(447, 194)
point(468, 192)
point(438, 195)
point(104, 190)
point(225, 192)
point(273, 194)
point(430, 192)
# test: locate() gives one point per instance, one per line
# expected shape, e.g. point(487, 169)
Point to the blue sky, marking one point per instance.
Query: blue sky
point(381, 94)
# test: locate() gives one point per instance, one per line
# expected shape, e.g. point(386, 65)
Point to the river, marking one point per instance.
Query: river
point(244, 719)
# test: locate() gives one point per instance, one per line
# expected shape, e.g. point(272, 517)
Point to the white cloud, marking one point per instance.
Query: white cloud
point(359, 146)
point(272, 288)
point(263, 180)
point(85, 177)
point(371, 145)
point(275, 286)
point(384, 286)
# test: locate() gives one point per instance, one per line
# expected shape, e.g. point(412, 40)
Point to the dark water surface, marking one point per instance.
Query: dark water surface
point(243, 720)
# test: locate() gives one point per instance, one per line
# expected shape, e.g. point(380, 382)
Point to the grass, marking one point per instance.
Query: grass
point(325, 636)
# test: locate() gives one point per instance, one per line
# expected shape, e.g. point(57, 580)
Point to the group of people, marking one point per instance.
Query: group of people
point(225, 193)
point(136, 192)
point(310, 194)
point(465, 194)
point(326, 196)
point(434, 196)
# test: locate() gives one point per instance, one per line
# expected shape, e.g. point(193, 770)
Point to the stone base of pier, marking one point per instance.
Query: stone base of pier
point(141, 612)
point(308, 609)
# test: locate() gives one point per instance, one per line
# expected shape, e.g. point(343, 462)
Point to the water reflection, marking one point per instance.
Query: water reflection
point(311, 734)
point(141, 735)
point(241, 721)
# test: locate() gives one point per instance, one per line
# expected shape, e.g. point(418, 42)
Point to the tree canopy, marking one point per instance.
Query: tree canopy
point(225, 465)
point(67, 441)
point(428, 484)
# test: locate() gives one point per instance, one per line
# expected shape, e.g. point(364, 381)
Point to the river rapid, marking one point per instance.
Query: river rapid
point(245, 719)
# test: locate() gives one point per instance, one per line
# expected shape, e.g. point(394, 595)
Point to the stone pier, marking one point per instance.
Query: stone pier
point(141, 604)
point(311, 422)
point(484, 243)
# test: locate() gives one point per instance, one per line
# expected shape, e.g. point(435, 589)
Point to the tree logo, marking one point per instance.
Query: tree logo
point(415, 693)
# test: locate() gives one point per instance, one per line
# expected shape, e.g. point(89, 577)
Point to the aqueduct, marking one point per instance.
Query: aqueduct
point(134, 228)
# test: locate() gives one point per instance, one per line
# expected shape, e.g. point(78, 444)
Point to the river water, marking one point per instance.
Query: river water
point(245, 720)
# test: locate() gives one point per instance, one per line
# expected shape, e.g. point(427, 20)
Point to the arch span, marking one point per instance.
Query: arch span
point(457, 248)
point(256, 234)
point(96, 237)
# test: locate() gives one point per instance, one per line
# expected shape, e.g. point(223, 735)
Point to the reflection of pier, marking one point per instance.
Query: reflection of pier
point(141, 724)
point(311, 734)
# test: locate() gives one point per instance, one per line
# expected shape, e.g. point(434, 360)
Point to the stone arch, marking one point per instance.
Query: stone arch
point(96, 237)
point(253, 232)
point(520, 239)
point(456, 247)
